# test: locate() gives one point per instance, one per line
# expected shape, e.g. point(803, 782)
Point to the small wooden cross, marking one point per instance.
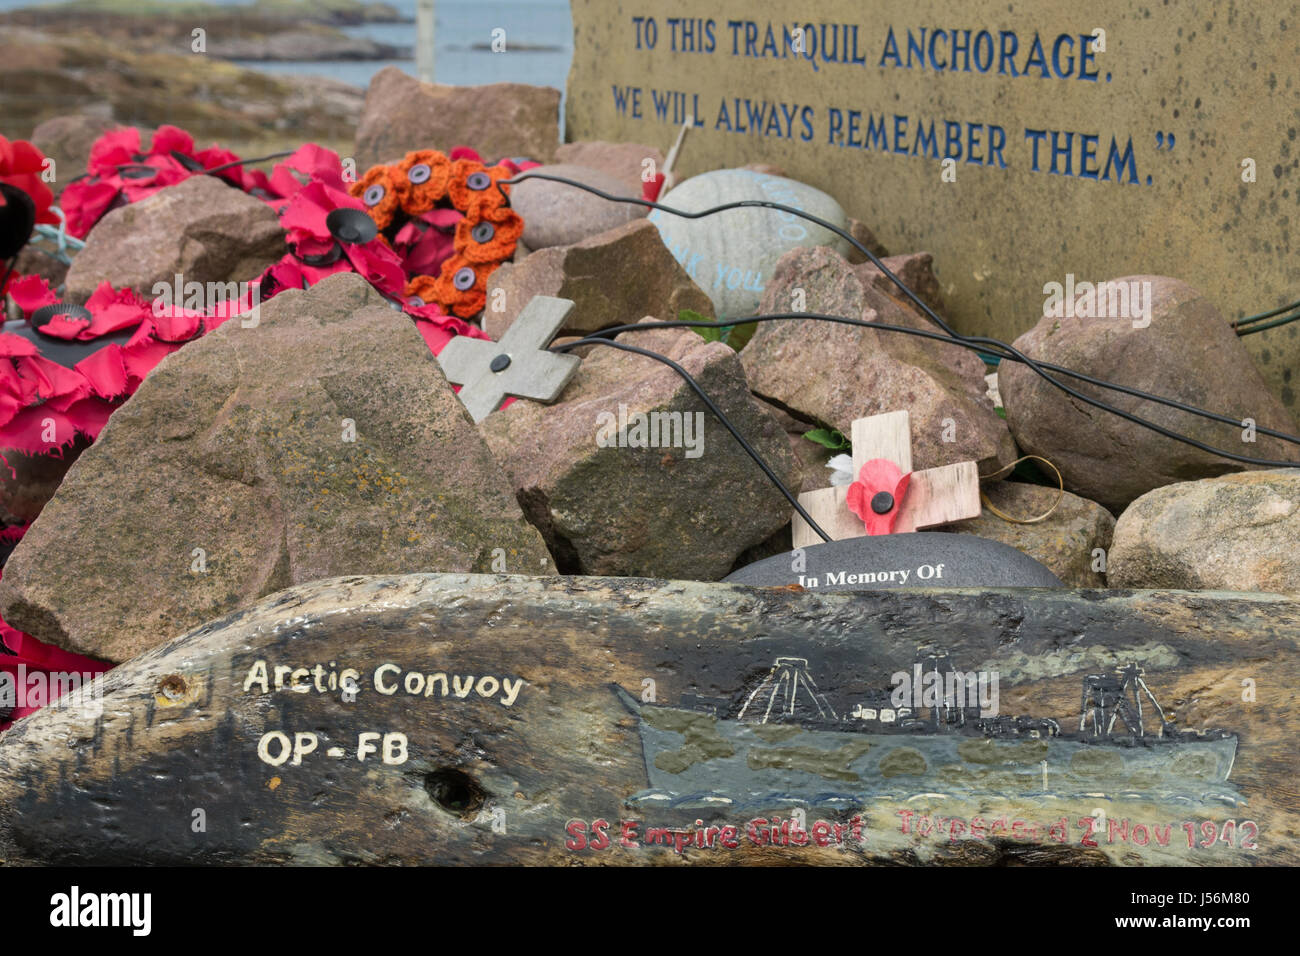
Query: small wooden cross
point(934, 496)
point(518, 365)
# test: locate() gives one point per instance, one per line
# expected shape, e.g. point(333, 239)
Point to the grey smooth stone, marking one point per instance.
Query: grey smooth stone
point(880, 561)
point(731, 255)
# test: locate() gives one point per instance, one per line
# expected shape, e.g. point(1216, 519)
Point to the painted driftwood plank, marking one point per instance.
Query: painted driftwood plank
point(493, 719)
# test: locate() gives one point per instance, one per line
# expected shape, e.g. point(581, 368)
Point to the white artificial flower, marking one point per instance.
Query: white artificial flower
point(841, 467)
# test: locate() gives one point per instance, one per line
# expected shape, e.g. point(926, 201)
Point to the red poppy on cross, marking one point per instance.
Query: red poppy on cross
point(886, 496)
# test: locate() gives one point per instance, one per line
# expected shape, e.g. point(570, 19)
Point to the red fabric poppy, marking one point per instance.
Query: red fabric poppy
point(40, 398)
point(120, 171)
point(21, 165)
point(42, 404)
point(308, 163)
point(876, 477)
point(650, 190)
point(85, 201)
point(426, 242)
point(30, 657)
point(31, 293)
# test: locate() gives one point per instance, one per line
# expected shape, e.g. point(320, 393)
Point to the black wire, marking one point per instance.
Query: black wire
point(743, 204)
point(972, 344)
point(758, 459)
point(1014, 355)
point(1276, 323)
point(1007, 350)
point(241, 162)
point(1250, 319)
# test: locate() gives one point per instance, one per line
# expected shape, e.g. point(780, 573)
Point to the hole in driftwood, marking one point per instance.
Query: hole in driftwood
point(455, 791)
point(172, 687)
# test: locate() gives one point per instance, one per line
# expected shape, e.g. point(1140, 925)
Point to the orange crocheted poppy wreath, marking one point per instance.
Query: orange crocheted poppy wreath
point(487, 235)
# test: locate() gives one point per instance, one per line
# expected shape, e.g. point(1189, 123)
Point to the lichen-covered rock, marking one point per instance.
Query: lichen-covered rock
point(1238, 532)
point(498, 119)
point(1183, 350)
point(201, 229)
point(1066, 542)
point(323, 441)
point(614, 278)
point(831, 373)
point(685, 503)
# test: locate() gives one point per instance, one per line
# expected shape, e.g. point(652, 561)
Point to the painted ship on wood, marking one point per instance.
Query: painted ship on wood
point(783, 742)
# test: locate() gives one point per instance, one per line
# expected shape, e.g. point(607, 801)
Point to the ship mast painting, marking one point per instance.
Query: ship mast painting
point(1111, 697)
point(781, 686)
point(782, 740)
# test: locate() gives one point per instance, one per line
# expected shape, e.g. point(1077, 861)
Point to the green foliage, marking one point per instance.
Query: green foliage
point(734, 335)
point(831, 438)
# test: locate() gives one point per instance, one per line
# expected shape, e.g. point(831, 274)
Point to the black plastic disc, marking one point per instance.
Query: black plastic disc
point(137, 172)
point(882, 502)
point(68, 310)
point(325, 258)
point(500, 363)
point(65, 352)
point(17, 220)
point(463, 279)
point(351, 225)
point(189, 162)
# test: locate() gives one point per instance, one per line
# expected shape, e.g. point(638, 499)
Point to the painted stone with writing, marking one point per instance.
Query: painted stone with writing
point(556, 214)
point(732, 254)
point(920, 560)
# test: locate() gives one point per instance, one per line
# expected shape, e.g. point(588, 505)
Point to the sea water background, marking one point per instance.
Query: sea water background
point(460, 25)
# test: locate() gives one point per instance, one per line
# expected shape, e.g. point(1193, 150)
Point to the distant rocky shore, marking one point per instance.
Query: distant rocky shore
point(265, 30)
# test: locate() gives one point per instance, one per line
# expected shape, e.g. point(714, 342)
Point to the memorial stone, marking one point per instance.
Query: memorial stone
point(1021, 144)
